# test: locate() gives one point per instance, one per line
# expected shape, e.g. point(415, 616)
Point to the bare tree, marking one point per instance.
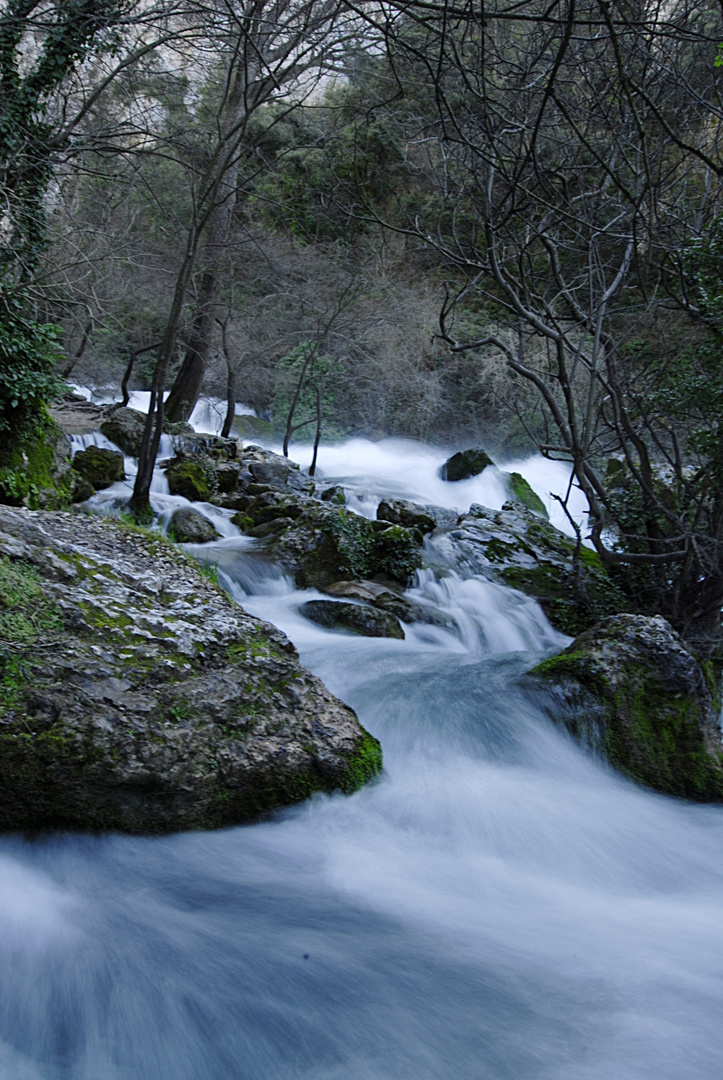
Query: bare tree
point(577, 148)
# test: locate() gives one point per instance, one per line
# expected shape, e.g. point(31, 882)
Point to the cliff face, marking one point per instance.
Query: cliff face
point(135, 695)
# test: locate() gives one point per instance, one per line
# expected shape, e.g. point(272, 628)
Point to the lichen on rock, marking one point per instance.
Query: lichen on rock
point(148, 701)
point(632, 690)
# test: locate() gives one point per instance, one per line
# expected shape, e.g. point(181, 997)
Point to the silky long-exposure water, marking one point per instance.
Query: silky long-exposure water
point(498, 906)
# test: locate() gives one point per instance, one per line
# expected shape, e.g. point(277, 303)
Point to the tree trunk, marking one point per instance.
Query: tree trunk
point(189, 380)
point(230, 391)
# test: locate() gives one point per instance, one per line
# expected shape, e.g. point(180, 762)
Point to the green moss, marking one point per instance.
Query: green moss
point(364, 764)
point(195, 480)
point(27, 620)
point(32, 472)
point(397, 553)
point(523, 493)
point(644, 730)
point(572, 602)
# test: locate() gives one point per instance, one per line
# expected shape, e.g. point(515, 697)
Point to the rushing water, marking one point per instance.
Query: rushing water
point(497, 907)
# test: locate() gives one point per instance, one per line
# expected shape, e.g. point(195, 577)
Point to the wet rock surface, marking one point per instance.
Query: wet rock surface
point(99, 467)
point(465, 463)
point(632, 691)
point(356, 618)
point(187, 526)
point(517, 547)
point(154, 703)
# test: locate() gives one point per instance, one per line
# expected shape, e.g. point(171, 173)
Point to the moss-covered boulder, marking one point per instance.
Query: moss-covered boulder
point(187, 526)
point(193, 478)
point(521, 492)
point(99, 466)
point(135, 695)
point(519, 548)
point(355, 618)
point(36, 469)
point(631, 690)
point(408, 514)
point(465, 463)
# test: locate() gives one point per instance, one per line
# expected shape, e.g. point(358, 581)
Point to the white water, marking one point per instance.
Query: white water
point(497, 907)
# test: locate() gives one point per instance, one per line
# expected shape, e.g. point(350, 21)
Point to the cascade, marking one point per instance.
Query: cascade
point(498, 906)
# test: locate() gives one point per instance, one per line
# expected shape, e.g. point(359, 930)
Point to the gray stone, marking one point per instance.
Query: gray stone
point(160, 705)
point(124, 427)
point(401, 512)
point(187, 526)
point(357, 618)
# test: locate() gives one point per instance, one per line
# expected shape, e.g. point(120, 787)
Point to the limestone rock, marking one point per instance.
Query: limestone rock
point(518, 547)
point(99, 466)
point(388, 599)
point(465, 463)
point(631, 690)
point(358, 618)
point(124, 427)
point(160, 705)
point(408, 514)
point(187, 526)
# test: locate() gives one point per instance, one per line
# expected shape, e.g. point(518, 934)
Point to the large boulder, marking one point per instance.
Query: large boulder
point(136, 695)
point(465, 463)
point(356, 618)
point(631, 690)
point(124, 428)
point(99, 466)
point(326, 543)
point(187, 526)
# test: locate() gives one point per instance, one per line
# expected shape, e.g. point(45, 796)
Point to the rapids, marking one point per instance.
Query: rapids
point(498, 906)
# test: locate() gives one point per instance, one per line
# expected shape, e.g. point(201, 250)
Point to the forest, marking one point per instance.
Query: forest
point(496, 222)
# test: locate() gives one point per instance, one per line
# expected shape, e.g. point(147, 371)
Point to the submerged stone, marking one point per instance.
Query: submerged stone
point(631, 689)
point(358, 618)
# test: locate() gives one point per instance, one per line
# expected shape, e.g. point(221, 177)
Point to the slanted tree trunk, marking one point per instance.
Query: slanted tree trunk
point(189, 380)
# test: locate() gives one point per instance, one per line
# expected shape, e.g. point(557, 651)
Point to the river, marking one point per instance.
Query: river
point(498, 906)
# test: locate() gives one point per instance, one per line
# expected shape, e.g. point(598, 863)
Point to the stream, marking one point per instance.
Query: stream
point(497, 906)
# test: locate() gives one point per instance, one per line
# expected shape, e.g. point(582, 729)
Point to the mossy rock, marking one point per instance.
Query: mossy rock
point(522, 493)
point(36, 470)
point(194, 480)
point(136, 696)
point(99, 466)
point(465, 464)
point(630, 689)
point(252, 427)
point(397, 553)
